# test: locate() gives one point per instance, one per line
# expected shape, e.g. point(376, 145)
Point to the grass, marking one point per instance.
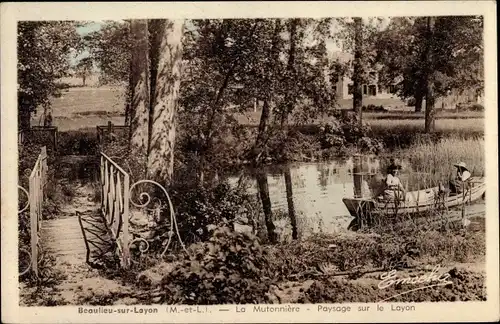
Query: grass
point(87, 107)
point(447, 114)
point(447, 125)
point(429, 163)
point(438, 156)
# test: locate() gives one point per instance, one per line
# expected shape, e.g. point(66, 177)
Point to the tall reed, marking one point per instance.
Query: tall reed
point(430, 163)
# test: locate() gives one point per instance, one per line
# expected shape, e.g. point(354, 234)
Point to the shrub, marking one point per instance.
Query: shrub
point(201, 209)
point(77, 143)
point(477, 107)
point(470, 107)
point(373, 108)
point(411, 102)
point(231, 268)
point(344, 131)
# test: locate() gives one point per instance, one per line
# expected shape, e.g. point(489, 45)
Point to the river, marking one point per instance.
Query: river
point(317, 190)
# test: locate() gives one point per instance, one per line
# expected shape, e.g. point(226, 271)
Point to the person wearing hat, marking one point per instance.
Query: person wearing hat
point(463, 174)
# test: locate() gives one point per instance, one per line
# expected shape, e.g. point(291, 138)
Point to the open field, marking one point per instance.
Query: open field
point(445, 125)
point(87, 107)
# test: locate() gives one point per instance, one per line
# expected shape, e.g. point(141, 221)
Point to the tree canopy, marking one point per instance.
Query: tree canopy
point(44, 49)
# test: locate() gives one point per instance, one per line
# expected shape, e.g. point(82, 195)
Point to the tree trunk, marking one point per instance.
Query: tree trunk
point(429, 107)
point(419, 97)
point(84, 77)
point(429, 78)
point(357, 99)
point(130, 94)
point(265, 116)
point(139, 107)
point(161, 153)
point(291, 207)
point(155, 27)
point(266, 205)
point(290, 101)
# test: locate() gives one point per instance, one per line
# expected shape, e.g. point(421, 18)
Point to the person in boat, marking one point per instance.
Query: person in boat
point(394, 190)
point(390, 186)
point(458, 183)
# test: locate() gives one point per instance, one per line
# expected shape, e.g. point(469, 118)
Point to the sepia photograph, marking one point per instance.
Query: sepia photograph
point(271, 162)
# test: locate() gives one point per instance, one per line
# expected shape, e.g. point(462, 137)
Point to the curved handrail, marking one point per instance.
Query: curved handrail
point(173, 220)
point(144, 250)
point(27, 200)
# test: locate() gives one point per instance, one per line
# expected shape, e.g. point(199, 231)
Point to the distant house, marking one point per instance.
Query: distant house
point(344, 87)
point(376, 93)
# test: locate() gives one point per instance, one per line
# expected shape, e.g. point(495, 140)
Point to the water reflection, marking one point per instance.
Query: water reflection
point(306, 198)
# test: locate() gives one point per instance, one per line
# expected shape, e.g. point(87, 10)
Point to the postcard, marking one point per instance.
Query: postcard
point(249, 162)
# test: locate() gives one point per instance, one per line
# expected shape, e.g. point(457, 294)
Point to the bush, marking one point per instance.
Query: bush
point(344, 132)
point(373, 108)
point(411, 102)
point(470, 107)
point(477, 107)
point(231, 268)
point(199, 210)
point(77, 143)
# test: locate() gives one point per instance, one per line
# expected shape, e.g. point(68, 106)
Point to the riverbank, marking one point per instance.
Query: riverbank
point(346, 267)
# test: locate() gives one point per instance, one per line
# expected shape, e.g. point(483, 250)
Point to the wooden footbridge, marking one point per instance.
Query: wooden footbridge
point(86, 231)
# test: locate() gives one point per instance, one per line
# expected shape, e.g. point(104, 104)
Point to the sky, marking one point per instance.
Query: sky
point(89, 28)
point(96, 25)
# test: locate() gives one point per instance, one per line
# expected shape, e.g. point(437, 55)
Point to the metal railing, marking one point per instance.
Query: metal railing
point(39, 135)
point(111, 133)
point(37, 182)
point(115, 184)
point(116, 197)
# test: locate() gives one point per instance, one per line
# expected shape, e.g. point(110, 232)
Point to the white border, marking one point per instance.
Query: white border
point(435, 312)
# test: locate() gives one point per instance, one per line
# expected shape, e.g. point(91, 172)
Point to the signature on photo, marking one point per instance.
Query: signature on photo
point(427, 280)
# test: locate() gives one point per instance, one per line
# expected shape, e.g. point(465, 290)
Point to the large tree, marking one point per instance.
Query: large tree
point(446, 51)
point(139, 87)
point(356, 37)
point(44, 49)
point(166, 94)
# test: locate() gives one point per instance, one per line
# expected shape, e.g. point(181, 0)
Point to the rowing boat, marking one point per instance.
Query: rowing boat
point(415, 202)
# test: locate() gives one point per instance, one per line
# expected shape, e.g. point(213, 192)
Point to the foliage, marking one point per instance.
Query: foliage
point(44, 48)
point(344, 36)
point(438, 158)
point(199, 210)
point(457, 49)
point(110, 48)
point(465, 286)
point(231, 268)
point(374, 108)
point(344, 130)
point(384, 249)
point(79, 142)
point(232, 63)
point(473, 107)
